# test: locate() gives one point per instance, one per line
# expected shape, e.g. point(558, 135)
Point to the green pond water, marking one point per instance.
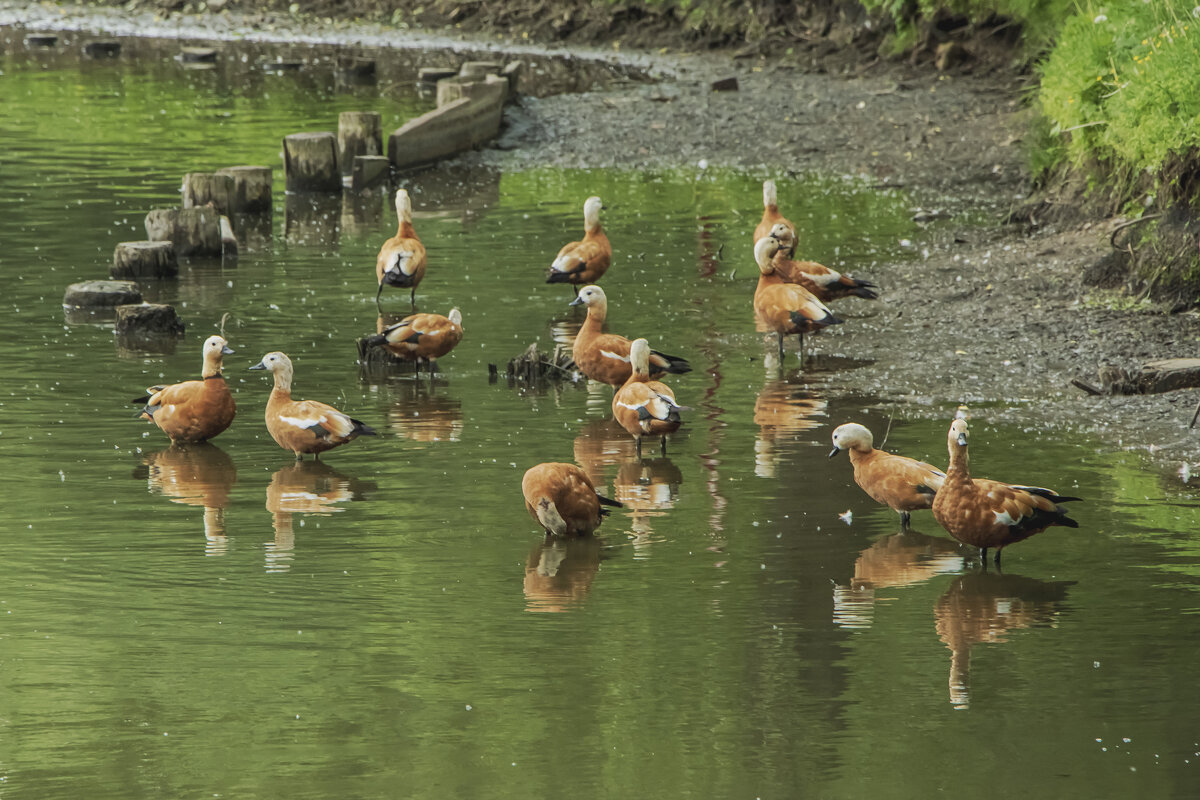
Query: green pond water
point(222, 622)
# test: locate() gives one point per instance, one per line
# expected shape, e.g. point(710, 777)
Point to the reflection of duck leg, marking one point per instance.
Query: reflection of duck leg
point(279, 551)
point(216, 543)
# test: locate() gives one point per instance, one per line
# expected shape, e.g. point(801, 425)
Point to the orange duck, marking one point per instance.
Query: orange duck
point(304, 426)
point(771, 217)
point(786, 307)
point(193, 411)
point(645, 407)
point(563, 500)
point(401, 260)
point(421, 337)
point(988, 513)
point(826, 284)
point(902, 484)
point(604, 356)
point(583, 262)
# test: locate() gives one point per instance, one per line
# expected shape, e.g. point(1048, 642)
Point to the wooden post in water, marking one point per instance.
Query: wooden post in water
point(360, 133)
point(310, 162)
point(208, 188)
point(195, 231)
point(148, 319)
point(369, 172)
point(144, 260)
point(251, 189)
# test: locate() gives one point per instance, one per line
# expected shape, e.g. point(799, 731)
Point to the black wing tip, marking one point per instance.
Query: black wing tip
point(375, 340)
point(362, 429)
point(608, 501)
point(143, 399)
point(399, 279)
point(830, 319)
point(866, 293)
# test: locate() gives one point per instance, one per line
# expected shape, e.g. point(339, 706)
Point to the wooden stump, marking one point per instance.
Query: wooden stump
point(251, 189)
point(310, 162)
point(369, 172)
point(208, 188)
point(194, 231)
point(478, 70)
point(144, 260)
point(148, 320)
point(229, 242)
point(102, 48)
point(360, 133)
point(533, 366)
point(101, 294)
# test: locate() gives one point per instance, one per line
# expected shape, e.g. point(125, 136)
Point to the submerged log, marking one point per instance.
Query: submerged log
point(101, 294)
point(251, 189)
point(208, 188)
point(310, 162)
point(144, 260)
point(148, 320)
point(360, 133)
point(533, 365)
point(194, 231)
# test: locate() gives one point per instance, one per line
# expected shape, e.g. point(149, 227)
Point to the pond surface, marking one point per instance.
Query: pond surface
point(222, 622)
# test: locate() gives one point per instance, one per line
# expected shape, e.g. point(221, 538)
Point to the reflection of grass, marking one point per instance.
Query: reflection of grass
point(1118, 94)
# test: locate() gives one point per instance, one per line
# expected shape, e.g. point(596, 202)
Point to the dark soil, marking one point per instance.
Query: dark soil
point(996, 316)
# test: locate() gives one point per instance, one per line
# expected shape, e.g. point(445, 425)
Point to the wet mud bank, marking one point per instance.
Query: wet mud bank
point(985, 313)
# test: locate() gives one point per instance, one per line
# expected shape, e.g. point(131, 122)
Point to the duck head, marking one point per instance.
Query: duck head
point(851, 436)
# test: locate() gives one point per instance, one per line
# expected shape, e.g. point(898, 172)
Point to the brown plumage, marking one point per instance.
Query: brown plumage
point(645, 407)
point(786, 308)
point(825, 283)
point(421, 337)
point(304, 426)
point(193, 411)
point(988, 513)
point(604, 356)
point(401, 260)
point(583, 262)
point(562, 499)
point(771, 217)
point(902, 484)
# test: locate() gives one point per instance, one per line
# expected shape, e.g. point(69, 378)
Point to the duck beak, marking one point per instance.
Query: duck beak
point(834, 451)
point(577, 301)
point(962, 440)
point(226, 350)
point(259, 365)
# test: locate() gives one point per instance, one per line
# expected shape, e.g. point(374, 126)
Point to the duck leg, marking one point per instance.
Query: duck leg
point(781, 348)
point(412, 298)
point(905, 520)
point(639, 446)
point(663, 445)
point(379, 293)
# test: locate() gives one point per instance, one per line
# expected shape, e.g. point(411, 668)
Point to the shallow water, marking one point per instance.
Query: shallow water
point(221, 621)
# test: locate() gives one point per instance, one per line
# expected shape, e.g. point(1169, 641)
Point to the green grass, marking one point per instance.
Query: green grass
point(1119, 100)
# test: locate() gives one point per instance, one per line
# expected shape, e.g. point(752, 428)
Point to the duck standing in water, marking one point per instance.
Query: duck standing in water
point(786, 308)
point(642, 406)
point(604, 356)
point(304, 426)
point(902, 484)
point(421, 337)
point(193, 411)
point(583, 262)
point(563, 500)
point(401, 260)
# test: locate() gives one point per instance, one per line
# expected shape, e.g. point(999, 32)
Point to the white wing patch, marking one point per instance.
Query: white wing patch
point(1005, 519)
point(609, 354)
point(303, 424)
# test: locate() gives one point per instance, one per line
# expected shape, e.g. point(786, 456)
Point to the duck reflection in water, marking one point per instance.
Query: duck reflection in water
point(305, 487)
point(602, 443)
point(901, 559)
point(982, 607)
point(559, 573)
point(422, 415)
point(783, 409)
point(647, 487)
point(195, 475)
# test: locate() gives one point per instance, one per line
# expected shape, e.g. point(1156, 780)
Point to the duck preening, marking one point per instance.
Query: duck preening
point(421, 337)
point(304, 426)
point(583, 262)
point(786, 308)
point(604, 356)
point(193, 411)
point(645, 407)
point(563, 500)
point(772, 218)
point(900, 483)
point(988, 513)
point(826, 284)
point(401, 260)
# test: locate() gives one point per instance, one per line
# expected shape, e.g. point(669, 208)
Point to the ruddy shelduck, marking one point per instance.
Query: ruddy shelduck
point(825, 283)
point(193, 411)
point(421, 337)
point(771, 217)
point(583, 262)
point(604, 356)
point(401, 260)
point(988, 513)
point(786, 308)
point(902, 484)
point(563, 499)
point(642, 406)
point(304, 426)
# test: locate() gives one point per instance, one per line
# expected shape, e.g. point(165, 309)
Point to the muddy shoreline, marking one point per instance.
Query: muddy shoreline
point(994, 315)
